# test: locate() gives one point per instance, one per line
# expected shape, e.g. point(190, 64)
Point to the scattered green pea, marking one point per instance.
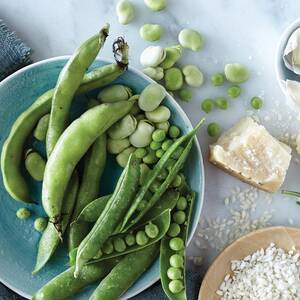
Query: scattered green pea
point(221, 102)
point(181, 203)
point(174, 273)
point(130, 239)
point(158, 135)
point(176, 261)
point(176, 286)
point(40, 224)
point(217, 79)
point(236, 73)
point(166, 145)
point(177, 181)
point(140, 152)
point(150, 158)
point(151, 32)
point(155, 145)
point(185, 95)
point(213, 129)
point(207, 105)
point(234, 91)
point(156, 5)
point(125, 11)
point(174, 132)
point(119, 244)
point(159, 153)
point(191, 39)
point(179, 217)
point(151, 230)
point(141, 238)
point(256, 102)
point(174, 230)
point(173, 79)
point(23, 213)
point(193, 76)
point(108, 247)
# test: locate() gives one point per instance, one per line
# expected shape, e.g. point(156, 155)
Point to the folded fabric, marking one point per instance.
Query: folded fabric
point(14, 54)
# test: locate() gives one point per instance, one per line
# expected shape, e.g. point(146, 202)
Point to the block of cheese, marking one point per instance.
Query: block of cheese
point(249, 152)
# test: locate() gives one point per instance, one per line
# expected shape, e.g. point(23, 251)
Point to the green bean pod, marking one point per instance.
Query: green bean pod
point(113, 213)
point(94, 164)
point(68, 82)
point(41, 128)
point(50, 238)
point(125, 273)
point(64, 285)
point(12, 150)
point(166, 252)
point(71, 147)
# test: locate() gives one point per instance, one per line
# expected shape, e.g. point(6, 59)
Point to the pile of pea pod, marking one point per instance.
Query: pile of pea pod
point(114, 238)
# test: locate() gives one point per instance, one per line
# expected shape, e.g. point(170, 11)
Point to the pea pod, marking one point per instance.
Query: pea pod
point(50, 239)
point(125, 273)
point(71, 147)
point(114, 211)
point(165, 257)
point(64, 285)
point(68, 82)
point(41, 128)
point(12, 150)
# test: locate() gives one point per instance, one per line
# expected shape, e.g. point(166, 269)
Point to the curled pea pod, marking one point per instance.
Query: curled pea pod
point(12, 150)
point(152, 176)
point(172, 258)
point(35, 165)
point(41, 128)
point(113, 213)
point(125, 273)
point(71, 147)
point(50, 239)
point(68, 82)
point(64, 285)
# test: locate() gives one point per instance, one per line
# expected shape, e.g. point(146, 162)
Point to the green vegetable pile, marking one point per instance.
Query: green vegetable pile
point(112, 239)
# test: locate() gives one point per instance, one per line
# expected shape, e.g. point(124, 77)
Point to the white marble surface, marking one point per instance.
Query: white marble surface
point(245, 31)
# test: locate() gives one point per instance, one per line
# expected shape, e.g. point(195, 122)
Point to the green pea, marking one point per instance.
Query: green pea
point(35, 165)
point(23, 213)
point(234, 91)
point(179, 217)
point(154, 73)
point(119, 244)
point(176, 244)
point(177, 153)
point(256, 102)
point(185, 95)
point(173, 79)
point(160, 114)
point(114, 93)
point(155, 145)
point(163, 174)
point(123, 157)
point(213, 129)
point(159, 153)
point(191, 39)
point(142, 135)
point(144, 170)
point(140, 152)
point(163, 125)
point(217, 79)
point(151, 97)
point(158, 135)
point(125, 11)
point(130, 239)
point(174, 132)
point(181, 203)
point(151, 32)
point(123, 128)
point(156, 5)
point(207, 105)
point(193, 76)
point(176, 261)
point(221, 102)
point(172, 56)
point(150, 158)
point(41, 128)
point(236, 73)
point(174, 273)
point(174, 230)
point(108, 247)
point(152, 56)
point(151, 230)
point(176, 286)
point(155, 185)
point(40, 224)
point(166, 144)
point(117, 146)
point(141, 238)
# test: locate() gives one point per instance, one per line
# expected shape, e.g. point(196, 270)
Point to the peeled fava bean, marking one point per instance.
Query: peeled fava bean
point(123, 157)
point(114, 93)
point(173, 79)
point(117, 146)
point(173, 54)
point(151, 97)
point(154, 73)
point(142, 136)
point(160, 114)
point(35, 165)
point(123, 128)
point(236, 73)
point(156, 5)
point(125, 11)
point(191, 39)
point(193, 76)
point(152, 56)
point(151, 32)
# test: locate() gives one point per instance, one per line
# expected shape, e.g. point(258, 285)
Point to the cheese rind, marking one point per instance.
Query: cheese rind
point(249, 152)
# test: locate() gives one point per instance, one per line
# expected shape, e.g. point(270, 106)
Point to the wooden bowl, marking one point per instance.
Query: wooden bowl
point(283, 237)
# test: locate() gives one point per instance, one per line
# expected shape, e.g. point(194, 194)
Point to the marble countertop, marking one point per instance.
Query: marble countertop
point(245, 31)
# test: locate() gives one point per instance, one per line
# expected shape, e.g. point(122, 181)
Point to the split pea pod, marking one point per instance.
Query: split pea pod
point(94, 163)
point(12, 150)
point(110, 218)
point(68, 82)
point(125, 273)
point(71, 147)
point(50, 239)
point(64, 285)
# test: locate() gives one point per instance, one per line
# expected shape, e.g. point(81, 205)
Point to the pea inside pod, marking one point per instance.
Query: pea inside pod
point(152, 56)
point(160, 114)
point(173, 79)
point(151, 97)
point(35, 165)
point(151, 32)
point(123, 128)
point(142, 135)
point(191, 39)
point(114, 93)
point(173, 54)
point(125, 11)
point(41, 128)
point(193, 76)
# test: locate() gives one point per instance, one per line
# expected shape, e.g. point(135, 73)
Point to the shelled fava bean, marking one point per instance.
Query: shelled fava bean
point(151, 32)
point(156, 5)
point(125, 12)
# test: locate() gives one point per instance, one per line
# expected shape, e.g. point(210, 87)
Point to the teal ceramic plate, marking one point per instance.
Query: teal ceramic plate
point(18, 238)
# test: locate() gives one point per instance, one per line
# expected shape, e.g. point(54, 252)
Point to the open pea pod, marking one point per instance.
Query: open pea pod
point(179, 292)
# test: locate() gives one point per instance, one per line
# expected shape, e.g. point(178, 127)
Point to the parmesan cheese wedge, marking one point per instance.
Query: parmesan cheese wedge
point(249, 152)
